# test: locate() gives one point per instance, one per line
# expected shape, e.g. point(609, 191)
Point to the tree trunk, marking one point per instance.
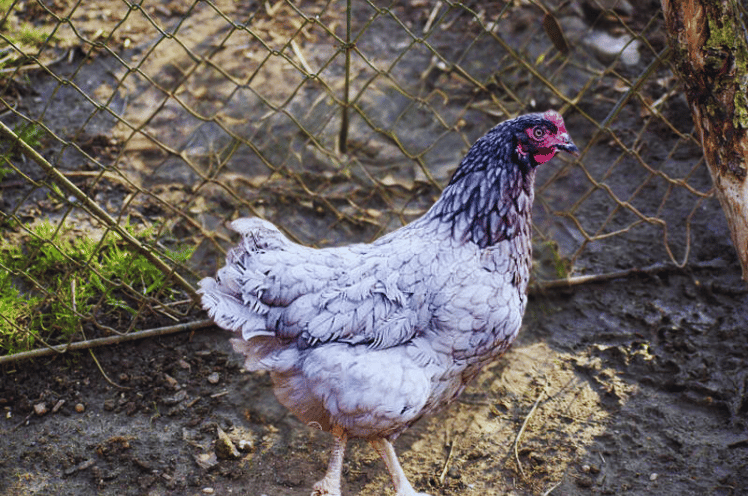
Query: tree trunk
point(710, 51)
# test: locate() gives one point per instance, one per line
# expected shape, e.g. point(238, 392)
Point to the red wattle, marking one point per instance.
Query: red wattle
point(544, 156)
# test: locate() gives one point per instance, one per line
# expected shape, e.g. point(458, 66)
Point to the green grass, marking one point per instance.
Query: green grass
point(548, 263)
point(29, 34)
point(21, 38)
point(54, 284)
point(28, 132)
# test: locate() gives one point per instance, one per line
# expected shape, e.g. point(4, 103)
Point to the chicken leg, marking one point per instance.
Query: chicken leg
point(387, 452)
point(330, 484)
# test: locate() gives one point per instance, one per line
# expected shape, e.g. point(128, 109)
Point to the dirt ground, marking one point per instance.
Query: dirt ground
point(631, 386)
point(635, 386)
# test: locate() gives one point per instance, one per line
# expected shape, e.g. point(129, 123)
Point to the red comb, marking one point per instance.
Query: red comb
point(556, 118)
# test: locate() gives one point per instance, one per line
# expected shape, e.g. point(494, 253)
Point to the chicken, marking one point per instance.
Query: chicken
point(364, 340)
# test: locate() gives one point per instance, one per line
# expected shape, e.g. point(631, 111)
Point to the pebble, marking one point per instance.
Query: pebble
point(584, 482)
point(80, 407)
point(81, 466)
point(653, 476)
point(245, 445)
point(172, 382)
point(208, 490)
point(206, 460)
point(40, 409)
point(178, 397)
point(608, 47)
point(225, 449)
point(619, 6)
point(214, 378)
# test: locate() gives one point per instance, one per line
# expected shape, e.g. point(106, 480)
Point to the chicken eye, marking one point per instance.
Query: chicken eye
point(538, 132)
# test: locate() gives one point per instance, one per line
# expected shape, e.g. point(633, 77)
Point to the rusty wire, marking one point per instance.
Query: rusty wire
point(180, 118)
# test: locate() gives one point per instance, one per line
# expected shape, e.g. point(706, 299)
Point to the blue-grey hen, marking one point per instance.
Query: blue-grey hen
point(364, 340)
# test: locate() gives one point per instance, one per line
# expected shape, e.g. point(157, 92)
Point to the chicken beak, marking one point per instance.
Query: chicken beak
point(567, 145)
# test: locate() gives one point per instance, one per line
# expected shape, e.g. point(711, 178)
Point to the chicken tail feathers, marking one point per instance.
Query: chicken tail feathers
point(232, 299)
point(228, 310)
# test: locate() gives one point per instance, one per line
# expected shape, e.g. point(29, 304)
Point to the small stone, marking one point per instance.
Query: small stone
point(109, 404)
point(214, 378)
point(208, 490)
point(206, 460)
point(80, 407)
point(653, 476)
point(40, 409)
point(584, 482)
point(609, 48)
point(81, 466)
point(225, 449)
point(172, 382)
point(245, 445)
point(178, 397)
point(182, 363)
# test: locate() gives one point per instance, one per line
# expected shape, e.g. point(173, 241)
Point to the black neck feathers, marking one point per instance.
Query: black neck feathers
point(489, 198)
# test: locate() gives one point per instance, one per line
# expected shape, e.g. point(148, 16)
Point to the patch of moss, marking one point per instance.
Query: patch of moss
point(28, 132)
point(19, 38)
point(725, 36)
point(54, 284)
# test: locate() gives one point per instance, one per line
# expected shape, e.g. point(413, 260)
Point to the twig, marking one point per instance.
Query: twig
point(738, 444)
point(38, 65)
point(101, 369)
point(552, 488)
point(22, 421)
point(343, 137)
point(443, 475)
point(91, 343)
point(432, 17)
point(103, 175)
point(540, 286)
point(304, 64)
point(522, 430)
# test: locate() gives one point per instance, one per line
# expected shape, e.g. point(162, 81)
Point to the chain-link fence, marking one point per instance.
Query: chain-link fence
point(134, 131)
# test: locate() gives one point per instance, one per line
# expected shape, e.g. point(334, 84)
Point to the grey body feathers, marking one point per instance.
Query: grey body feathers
point(371, 337)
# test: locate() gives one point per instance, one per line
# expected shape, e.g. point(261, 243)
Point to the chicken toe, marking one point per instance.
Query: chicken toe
point(330, 484)
point(387, 452)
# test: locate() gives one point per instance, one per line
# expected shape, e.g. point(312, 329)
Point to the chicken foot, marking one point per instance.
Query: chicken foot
point(330, 484)
point(387, 452)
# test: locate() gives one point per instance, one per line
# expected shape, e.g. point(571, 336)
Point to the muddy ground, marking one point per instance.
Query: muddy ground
point(639, 387)
point(630, 386)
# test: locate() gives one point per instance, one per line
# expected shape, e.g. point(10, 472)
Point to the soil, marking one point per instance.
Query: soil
point(635, 385)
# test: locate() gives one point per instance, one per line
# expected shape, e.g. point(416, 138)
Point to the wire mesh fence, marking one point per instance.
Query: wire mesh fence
point(131, 132)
